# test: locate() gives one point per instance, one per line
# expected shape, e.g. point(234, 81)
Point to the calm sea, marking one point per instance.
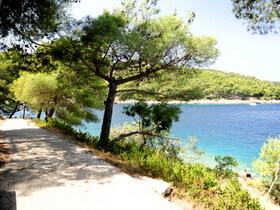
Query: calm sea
point(235, 130)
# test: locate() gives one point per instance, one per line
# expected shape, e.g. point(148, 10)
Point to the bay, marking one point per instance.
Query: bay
point(235, 130)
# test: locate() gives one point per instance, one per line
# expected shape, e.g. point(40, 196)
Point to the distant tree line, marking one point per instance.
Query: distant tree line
point(217, 84)
point(204, 84)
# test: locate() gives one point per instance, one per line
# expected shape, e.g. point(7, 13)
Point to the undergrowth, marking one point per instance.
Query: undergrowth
point(208, 187)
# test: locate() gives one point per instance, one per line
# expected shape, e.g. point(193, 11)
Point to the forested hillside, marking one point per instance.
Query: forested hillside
point(218, 84)
point(207, 84)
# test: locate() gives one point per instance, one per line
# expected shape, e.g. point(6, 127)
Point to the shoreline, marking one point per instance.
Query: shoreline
point(208, 102)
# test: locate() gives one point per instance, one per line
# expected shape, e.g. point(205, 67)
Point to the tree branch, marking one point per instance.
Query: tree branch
point(123, 135)
point(276, 177)
point(96, 72)
point(141, 91)
point(143, 74)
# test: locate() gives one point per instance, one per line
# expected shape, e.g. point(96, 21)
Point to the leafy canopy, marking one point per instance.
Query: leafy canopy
point(57, 91)
point(224, 165)
point(157, 118)
point(9, 71)
point(262, 16)
point(37, 90)
point(23, 22)
point(129, 45)
point(153, 124)
point(268, 159)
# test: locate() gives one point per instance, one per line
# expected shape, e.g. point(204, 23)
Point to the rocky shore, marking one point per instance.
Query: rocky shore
point(220, 101)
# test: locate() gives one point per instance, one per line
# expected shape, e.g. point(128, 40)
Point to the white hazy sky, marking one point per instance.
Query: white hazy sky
point(241, 52)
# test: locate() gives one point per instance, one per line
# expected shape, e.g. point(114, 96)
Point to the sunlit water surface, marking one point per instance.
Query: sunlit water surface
point(235, 130)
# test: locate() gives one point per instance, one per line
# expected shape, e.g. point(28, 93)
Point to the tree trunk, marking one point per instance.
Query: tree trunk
point(276, 177)
point(15, 109)
point(51, 112)
point(23, 111)
point(108, 112)
point(39, 114)
point(46, 114)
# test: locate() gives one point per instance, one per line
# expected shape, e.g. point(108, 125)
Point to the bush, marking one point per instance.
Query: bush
point(268, 165)
point(69, 130)
point(201, 183)
point(234, 197)
point(225, 164)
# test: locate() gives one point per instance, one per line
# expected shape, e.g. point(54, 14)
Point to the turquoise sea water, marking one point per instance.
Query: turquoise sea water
point(235, 130)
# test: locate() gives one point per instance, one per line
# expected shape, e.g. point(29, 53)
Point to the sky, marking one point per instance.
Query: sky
point(241, 51)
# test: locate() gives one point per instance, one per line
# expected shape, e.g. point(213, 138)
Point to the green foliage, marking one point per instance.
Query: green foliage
point(59, 92)
point(198, 181)
point(216, 84)
point(155, 117)
point(28, 20)
point(129, 45)
point(225, 165)
point(37, 90)
point(266, 164)
point(262, 16)
point(119, 129)
point(275, 193)
point(234, 197)
point(9, 71)
point(172, 147)
point(153, 123)
point(197, 84)
point(70, 131)
point(166, 86)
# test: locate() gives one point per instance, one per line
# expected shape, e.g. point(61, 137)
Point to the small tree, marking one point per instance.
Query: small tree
point(268, 163)
point(151, 127)
point(58, 93)
point(225, 164)
point(153, 121)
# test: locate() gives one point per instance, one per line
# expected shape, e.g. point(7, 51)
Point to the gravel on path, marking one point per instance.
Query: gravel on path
point(48, 172)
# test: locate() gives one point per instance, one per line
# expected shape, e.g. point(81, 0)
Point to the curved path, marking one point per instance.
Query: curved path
point(49, 172)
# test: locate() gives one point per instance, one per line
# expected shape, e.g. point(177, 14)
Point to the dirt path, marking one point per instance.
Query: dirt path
point(48, 172)
point(265, 203)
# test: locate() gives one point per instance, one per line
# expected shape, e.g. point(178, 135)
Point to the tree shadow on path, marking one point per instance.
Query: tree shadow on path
point(41, 159)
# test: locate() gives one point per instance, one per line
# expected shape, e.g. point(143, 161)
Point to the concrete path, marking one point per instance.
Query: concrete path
point(49, 172)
